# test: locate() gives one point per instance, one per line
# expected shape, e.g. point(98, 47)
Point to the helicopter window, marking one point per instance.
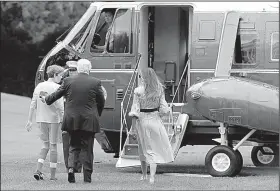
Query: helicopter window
point(207, 30)
point(114, 37)
point(275, 46)
point(246, 47)
point(104, 22)
point(60, 59)
point(79, 41)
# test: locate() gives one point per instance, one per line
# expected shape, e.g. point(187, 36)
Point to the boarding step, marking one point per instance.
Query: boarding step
point(132, 138)
point(133, 157)
point(167, 121)
point(169, 126)
point(129, 155)
point(131, 150)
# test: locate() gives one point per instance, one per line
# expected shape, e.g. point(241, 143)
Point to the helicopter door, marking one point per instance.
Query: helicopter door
point(176, 123)
point(169, 46)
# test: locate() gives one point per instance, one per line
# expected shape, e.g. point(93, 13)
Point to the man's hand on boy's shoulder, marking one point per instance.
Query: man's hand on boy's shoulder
point(43, 95)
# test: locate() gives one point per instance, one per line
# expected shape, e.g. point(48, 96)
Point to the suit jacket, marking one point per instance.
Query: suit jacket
point(84, 102)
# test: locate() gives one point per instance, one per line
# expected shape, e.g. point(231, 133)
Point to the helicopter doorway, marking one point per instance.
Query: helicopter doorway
point(167, 43)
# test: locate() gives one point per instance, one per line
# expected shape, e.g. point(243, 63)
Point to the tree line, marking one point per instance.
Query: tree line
point(28, 31)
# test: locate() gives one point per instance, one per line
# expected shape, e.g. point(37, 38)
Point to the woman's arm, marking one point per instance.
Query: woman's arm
point(163, 106)
point(134, 121)
point(135, 108)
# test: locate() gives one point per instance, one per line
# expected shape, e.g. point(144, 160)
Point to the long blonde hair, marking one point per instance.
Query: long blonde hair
point(152, 85)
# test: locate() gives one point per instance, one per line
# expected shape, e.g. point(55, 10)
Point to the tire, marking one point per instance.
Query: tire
point(239, 162)
point(225, 153)
point(260, 160)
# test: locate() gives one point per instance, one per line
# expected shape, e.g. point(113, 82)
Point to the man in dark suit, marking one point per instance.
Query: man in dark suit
point(71, 70)
point(83, 107)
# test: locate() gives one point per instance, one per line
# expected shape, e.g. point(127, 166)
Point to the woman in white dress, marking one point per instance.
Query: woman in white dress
point(148, 103)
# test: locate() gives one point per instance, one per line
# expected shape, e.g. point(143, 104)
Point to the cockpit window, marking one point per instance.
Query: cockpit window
point(102, 30)
point(113, 32)
point(60, 58)
point(121, 32)
point(79, 41)
point(63, 35)
point(76, 38)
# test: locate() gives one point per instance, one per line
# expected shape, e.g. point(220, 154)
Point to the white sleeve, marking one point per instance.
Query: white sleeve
point(33, 104)
point(59, 105)
point(135, 108)
point(163, 106)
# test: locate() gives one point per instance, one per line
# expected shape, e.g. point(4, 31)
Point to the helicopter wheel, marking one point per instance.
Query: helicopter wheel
point(260, 159)
point(222, 161)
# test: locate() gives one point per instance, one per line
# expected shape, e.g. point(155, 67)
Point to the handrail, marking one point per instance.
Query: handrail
point(133, 80)
point(137, 63)
point(180, 80)
point(171, 104)
point(123, 114)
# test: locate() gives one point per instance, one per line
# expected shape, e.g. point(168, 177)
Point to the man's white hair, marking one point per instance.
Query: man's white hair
point(83, 66)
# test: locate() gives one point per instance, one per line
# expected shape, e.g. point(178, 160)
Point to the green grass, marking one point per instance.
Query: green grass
point(19, 151)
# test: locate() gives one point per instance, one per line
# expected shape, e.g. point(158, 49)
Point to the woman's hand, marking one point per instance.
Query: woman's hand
point(133, 127)
point(134, 118)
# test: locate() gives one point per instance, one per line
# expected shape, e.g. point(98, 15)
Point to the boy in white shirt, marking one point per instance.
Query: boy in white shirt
point(49, 118)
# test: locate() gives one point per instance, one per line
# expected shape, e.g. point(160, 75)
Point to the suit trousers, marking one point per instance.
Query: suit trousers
point(81, 148)
point(66, 147)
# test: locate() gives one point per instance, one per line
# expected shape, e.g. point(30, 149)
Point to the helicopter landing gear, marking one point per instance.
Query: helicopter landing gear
point(222, 160)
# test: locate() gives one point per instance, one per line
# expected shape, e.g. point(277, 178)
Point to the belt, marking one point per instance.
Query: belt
point(148, 110)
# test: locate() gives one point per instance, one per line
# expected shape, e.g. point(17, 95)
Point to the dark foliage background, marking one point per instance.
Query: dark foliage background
point(28, 32)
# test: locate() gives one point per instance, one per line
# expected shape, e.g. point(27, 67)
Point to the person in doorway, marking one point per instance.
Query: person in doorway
point(109, 39)
point(148, 102)
point(48, 118)
point(83, 107)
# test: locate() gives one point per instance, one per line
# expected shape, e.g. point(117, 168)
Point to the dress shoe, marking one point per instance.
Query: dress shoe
point(116, 155)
